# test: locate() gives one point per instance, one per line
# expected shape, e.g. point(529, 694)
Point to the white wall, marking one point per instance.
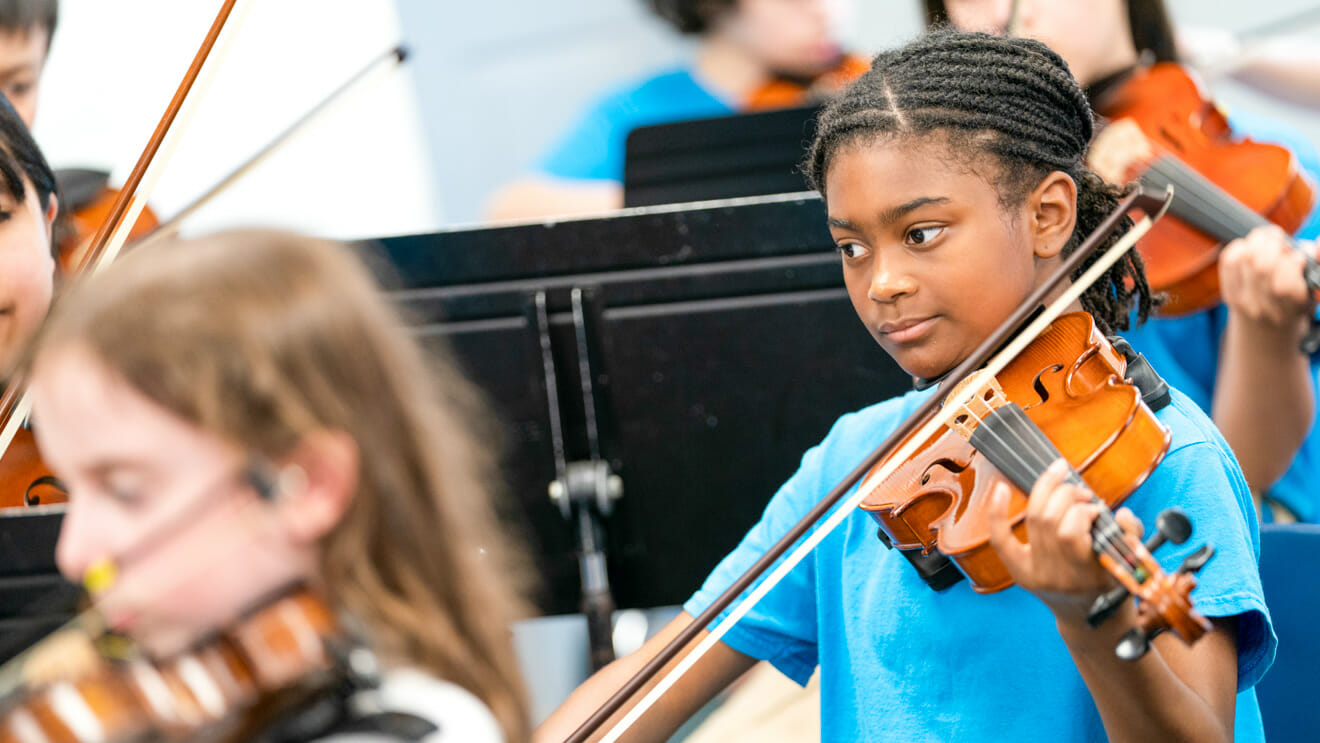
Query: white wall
point(363, 171)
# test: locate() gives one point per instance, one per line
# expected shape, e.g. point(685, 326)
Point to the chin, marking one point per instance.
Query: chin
point(920, 363)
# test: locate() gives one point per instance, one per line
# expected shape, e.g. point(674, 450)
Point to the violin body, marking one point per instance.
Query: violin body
point(785, 93)
point(1179, 120)
point(25, 480)
point(195, 696)
point(1070, 383)
point(75, 232)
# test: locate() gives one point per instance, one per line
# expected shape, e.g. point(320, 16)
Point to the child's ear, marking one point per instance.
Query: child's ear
point(328, 466)
point(1052, 214)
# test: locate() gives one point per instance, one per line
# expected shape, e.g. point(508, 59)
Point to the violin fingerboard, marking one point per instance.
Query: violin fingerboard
point(1017, 447)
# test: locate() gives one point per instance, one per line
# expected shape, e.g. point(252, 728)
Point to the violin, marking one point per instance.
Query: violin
point(786, 92)
point(985, 413)
point(86, 204)
point(25, 480)
point(1065, 396)
point(286, 648)
point(1225, 184)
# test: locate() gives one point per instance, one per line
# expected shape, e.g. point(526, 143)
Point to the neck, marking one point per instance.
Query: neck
point(725, 68)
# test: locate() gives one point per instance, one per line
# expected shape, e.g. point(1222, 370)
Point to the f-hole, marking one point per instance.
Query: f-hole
point(1039, 386)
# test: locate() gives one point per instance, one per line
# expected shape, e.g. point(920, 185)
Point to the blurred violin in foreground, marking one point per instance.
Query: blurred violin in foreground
point(285, 650)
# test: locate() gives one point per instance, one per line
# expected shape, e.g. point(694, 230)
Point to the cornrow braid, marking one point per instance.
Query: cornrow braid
point(1011, 98)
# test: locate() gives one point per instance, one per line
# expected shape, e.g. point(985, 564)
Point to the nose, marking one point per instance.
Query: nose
point(77, 548)
point(889, 282)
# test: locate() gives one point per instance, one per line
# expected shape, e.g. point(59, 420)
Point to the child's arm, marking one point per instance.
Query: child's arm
point(1176, 692)
point(716, 670)
point(1264, 401)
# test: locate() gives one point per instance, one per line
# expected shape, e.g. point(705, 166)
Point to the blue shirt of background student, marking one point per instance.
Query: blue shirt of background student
point(1185, 350)
point(593, 148)
point(901, 662)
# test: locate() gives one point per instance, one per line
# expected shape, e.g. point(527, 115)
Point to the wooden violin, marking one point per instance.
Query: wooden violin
point(214, 691)
point(86, 200)
point(1065, 396)
point(1225, 184)
point(786, 92)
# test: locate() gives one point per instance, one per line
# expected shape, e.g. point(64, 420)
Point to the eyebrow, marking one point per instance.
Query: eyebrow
point(889, 216)
point(18, 68)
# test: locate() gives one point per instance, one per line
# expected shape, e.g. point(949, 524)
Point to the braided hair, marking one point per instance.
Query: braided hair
point(1010, 98)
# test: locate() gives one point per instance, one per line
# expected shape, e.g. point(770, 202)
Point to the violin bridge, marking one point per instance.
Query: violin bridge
point(989, 397)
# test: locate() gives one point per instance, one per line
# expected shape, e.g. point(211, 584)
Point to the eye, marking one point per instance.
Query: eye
point(923, 235)
point(852, 250)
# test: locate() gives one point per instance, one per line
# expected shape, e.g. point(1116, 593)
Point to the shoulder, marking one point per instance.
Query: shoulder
point(874, 422)
point(652, 96)
point(1199, 465)
point(456, 713)
point(593, 148)
point(1200, 476)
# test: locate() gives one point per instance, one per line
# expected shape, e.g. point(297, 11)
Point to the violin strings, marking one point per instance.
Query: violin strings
point(1201, 202)
point(1109, 534)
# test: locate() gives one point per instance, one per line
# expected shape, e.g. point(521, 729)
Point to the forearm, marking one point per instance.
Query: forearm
point(704, 680)
point(1147, 700)
point(1264, 400)
point(589, 697)
point(1288, 69)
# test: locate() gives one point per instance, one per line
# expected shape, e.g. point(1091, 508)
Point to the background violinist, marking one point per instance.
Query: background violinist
point(742, 45)
point(1221, 357)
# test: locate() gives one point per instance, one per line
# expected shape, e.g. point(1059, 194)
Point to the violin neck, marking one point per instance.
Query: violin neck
point(1200, 202)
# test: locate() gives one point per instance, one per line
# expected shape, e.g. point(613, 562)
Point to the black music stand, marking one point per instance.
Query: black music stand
point(718, 158)
point(693, 351)
point(34, 599)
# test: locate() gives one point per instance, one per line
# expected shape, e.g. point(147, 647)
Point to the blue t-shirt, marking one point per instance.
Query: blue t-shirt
point(1185, 350)
point(593, 148)
point(901, 662)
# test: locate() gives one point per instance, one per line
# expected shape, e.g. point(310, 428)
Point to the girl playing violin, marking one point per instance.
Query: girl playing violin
point(1237, 361)
point(243, 414)
point(743, 47)
point(955, 182)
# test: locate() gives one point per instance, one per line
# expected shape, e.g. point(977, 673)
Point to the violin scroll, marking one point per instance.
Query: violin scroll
point(1164, 601)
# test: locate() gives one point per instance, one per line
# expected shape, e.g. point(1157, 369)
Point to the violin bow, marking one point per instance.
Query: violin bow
point(925, 421)
point(110, 237)
point(382, 63)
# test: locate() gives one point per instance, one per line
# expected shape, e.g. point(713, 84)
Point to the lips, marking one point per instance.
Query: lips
point(907, 329)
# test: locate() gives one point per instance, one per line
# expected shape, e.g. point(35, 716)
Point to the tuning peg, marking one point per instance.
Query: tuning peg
point(1197, 560)
point(1133, 645)
point(1172, 525)
point(1105, 605)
